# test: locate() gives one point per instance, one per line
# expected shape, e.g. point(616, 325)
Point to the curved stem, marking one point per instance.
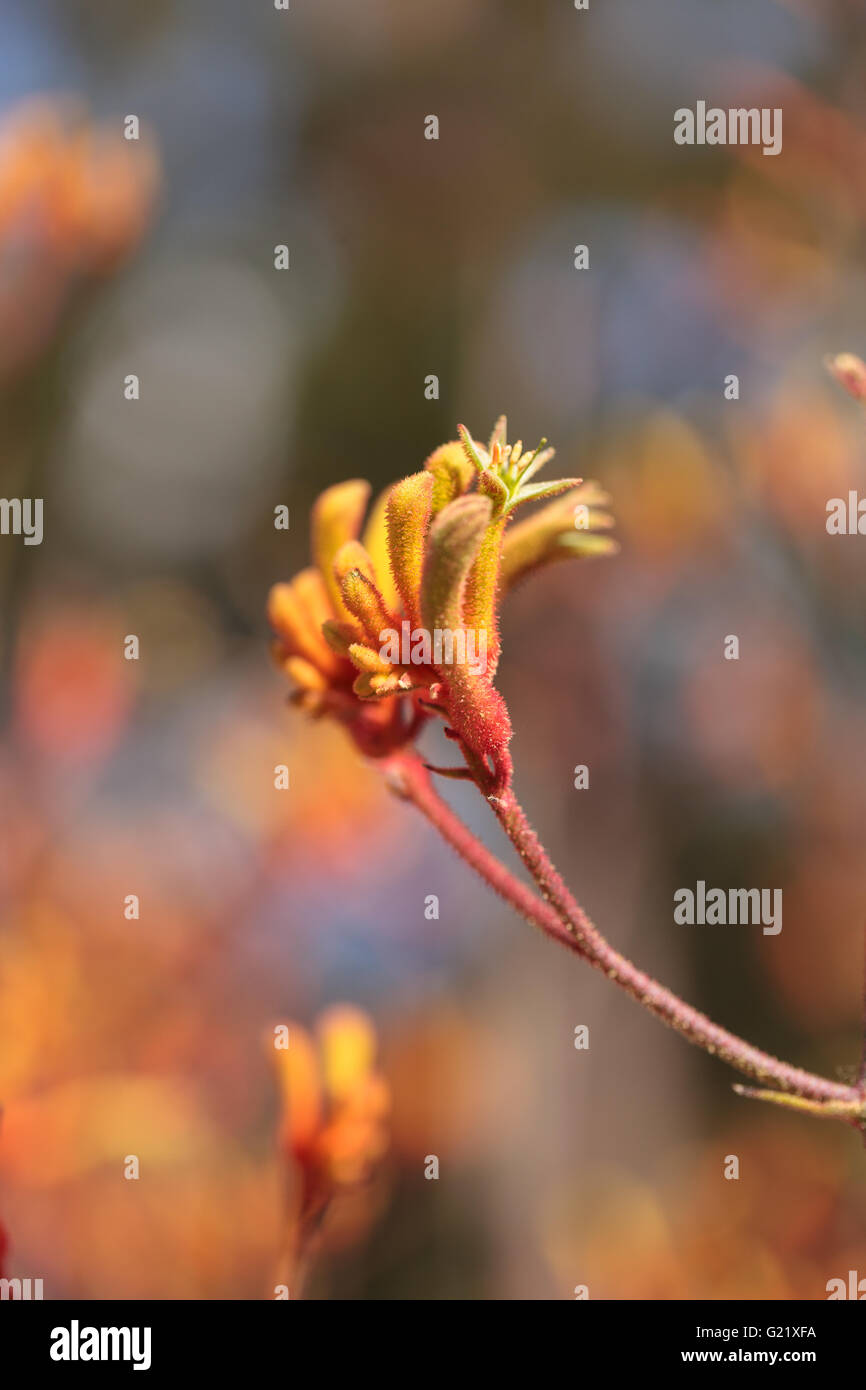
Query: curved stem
point(560, 916)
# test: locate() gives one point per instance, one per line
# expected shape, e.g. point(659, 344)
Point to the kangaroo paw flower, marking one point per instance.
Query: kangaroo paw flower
point(399, 621)
point(438, 555)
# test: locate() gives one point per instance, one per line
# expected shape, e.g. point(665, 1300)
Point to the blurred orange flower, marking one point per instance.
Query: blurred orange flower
point(74, 202)
point(335, 1103)
point(82, 195)
point(334, 1124)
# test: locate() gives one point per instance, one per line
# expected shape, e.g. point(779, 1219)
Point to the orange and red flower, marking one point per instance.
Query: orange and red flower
point(335, 1104)
point(437, 554)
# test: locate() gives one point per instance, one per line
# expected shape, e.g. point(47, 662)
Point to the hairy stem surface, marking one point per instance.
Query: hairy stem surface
point(560, 916)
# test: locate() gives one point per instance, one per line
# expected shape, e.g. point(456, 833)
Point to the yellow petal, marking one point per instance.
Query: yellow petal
point(304, 674)
point(353, 556)
point(375, 541)
point(364, 602)
point(408, 517)
point(452, 473)
point(453, 545)
point(368, 659)
point(347, 1040)
point(370, 685)
point(337, 517)
point(340, 636)
point(482, 592)
point(295, 613)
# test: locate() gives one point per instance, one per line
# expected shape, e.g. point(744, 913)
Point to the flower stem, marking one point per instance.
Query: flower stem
point(561, 917)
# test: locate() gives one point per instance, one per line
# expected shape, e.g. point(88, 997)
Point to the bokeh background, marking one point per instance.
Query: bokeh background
point(259, 388)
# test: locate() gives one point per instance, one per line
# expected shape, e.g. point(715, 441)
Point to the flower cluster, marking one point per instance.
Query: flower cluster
point(335, 1106)
point(75, 201)
point(81, 196)
point(439, 551)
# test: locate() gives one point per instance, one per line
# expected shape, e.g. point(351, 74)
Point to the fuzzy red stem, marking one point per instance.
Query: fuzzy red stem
point(558, 915)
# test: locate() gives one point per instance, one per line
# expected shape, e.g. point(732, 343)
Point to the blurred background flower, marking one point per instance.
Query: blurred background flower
point(74, 202)
point(333, 1133)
